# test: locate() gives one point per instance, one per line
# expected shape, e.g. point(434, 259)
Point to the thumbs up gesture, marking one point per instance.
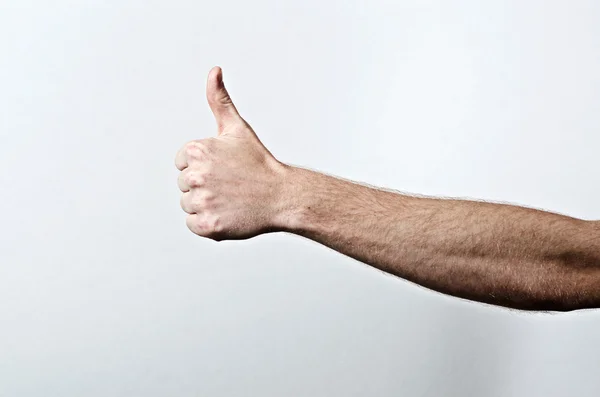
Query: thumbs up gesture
point(232, 185)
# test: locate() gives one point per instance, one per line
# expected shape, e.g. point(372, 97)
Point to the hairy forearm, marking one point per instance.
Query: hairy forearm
point(500, 254)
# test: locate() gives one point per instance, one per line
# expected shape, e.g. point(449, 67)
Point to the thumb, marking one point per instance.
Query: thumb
point(219, 100)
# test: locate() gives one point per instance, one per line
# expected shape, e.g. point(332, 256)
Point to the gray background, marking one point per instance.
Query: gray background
point(104, 291)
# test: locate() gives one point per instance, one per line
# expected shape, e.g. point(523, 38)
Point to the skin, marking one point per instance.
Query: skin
point(234, 188)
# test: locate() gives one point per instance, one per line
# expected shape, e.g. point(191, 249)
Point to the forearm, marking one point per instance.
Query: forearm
point(500, 254)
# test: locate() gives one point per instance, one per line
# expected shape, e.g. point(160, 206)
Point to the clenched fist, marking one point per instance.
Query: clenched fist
point(232, 185)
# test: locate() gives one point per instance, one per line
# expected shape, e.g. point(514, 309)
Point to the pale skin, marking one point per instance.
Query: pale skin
point(234, 188)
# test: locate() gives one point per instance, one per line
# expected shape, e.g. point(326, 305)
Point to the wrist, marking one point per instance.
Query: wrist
point(311, 203)
point(295, 198)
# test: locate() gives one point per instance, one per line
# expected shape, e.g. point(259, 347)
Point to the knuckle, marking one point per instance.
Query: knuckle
point(194, 149)
point(224, 100)
point(217, 225)
point(199, 203)
point(210, 227)
point(214, 228)
point(195, 179)
point(204, 201)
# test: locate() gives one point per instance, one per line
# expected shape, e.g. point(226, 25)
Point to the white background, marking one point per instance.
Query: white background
point(104, 291)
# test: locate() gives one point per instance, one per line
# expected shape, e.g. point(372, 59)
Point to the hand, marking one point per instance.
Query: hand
point(231, 183)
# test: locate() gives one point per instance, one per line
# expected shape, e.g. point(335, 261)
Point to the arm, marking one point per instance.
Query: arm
point(234, 188)
point(494, 253)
